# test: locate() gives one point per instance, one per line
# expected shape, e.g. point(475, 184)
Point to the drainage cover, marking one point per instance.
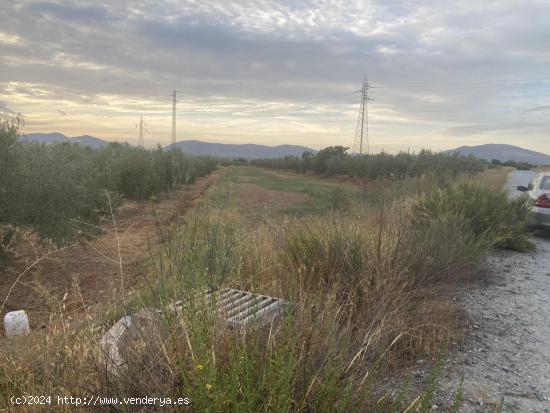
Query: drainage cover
point(239, 308)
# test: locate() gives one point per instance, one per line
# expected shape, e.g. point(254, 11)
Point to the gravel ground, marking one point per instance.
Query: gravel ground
point(506, 356)
point(505, 359)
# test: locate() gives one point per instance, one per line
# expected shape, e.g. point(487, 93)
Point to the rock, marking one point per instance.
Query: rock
point(109, 343)
point(16, 323)
point(132, 340)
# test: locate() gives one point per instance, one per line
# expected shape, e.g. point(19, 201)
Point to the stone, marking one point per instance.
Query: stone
point(16, 323)
point(132, 339)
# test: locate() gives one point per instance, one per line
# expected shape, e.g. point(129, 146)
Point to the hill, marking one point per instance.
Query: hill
point(56, 137)
point(504, 153)
point(234, 151)
point(90, 141)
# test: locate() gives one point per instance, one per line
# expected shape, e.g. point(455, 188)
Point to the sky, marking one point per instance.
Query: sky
point(445, 73)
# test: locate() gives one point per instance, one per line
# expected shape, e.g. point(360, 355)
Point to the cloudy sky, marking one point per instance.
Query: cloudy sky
point(446, 73)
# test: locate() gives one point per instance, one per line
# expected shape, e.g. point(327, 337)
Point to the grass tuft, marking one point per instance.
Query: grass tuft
point(490, 214)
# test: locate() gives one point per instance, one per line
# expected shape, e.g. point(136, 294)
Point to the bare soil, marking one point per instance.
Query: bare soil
point(253, 199)
point(335, 180)
point(77, 277)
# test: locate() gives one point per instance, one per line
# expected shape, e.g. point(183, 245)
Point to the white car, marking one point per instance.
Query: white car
point(538, 193)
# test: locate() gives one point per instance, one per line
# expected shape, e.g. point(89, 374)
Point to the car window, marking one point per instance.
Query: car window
point(545, 184)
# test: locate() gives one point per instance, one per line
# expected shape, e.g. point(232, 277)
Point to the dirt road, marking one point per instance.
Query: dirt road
point(71, 280)
point(505, 360)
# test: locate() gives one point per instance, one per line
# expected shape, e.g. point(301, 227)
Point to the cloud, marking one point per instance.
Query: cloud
point(442, 69)
point(469, 130)
point(6, 112)
point(68, 13)
point(4, 108)
point(9, 39)
point(544, 108)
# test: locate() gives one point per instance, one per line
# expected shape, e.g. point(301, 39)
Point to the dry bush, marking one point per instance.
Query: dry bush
point(363, 291)
point(377, 270)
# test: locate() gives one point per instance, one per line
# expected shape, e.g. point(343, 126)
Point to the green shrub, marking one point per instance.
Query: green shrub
point(61, 191)
point(8, 174)
point(351, 285)
point(490, 214)
point(328, 254)
point(333, 160)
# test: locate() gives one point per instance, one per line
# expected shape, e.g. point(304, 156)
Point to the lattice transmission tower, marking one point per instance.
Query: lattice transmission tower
point(141, 127)
point(361, 142)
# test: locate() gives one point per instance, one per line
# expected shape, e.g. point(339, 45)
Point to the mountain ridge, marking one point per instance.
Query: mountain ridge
point(234, 151)
point(192, 147)
point(57, 137)
point(503, 152)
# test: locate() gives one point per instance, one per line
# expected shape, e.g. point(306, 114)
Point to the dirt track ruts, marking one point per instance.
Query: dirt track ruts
point(73, 279)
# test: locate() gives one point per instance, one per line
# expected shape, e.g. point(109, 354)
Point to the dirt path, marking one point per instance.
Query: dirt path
point(74, 279)
point(505, 360)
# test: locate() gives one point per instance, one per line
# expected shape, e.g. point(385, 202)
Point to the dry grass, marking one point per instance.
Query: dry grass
point(368, 298)
point(254, 200)
point(380, 273)
point(92, 265)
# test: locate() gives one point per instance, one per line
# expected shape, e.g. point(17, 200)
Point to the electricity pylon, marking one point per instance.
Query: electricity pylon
point(142, 129)
point(361, 142)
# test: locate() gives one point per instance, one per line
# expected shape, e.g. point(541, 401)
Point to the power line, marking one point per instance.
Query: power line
point(361, 143)
point(275, 117)
point(360, 131)
point(298, 106)
point(470, 85)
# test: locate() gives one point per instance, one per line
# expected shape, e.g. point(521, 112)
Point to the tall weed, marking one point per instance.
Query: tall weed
point(489, 213)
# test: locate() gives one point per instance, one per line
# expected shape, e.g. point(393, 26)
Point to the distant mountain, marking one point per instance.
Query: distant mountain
point(90, 141)
point(56, 137)
point(504, 153)
point(234, 151)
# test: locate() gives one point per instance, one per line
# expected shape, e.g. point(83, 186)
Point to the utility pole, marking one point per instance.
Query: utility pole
point(361, 142)
point(174, 117)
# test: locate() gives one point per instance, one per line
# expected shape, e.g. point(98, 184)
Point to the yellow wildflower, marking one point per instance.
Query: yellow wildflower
point(209, 386)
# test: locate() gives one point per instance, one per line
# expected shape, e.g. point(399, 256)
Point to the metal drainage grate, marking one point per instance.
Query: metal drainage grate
point(240, 308)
